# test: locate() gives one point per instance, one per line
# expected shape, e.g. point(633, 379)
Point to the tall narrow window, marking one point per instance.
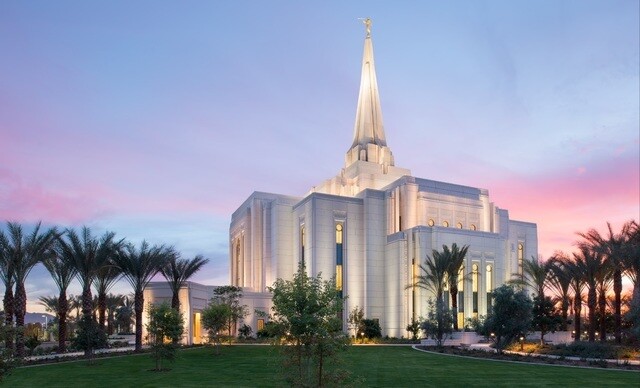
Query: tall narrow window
point(260, 324)
point(489, 282)
point(520, 259)
point(339, 254)
point(302, 243)
point(461, 280)
point(238, 264)
point(474, 288)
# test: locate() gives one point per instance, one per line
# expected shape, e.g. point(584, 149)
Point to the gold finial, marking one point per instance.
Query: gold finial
point(367, 24)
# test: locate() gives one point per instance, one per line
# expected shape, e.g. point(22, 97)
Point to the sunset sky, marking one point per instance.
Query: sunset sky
point(156, 119)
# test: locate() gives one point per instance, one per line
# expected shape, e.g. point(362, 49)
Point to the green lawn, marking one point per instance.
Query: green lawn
point(257, 366)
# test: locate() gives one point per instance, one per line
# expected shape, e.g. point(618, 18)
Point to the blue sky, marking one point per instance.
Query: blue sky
point(156, 119)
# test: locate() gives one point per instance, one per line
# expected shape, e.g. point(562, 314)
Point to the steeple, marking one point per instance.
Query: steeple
point(369, 143)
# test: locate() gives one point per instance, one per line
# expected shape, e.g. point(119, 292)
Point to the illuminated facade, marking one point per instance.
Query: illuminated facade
point(370, 226)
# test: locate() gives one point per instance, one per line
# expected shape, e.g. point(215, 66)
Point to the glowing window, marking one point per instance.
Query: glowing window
point(302, 242)
point(459, 225)
point(520, 258)
point(445, 224)
point(474, 286)
point(473, 227)
point(339, 256)
point(260, 324)
point(489, 286)
point(431, 222)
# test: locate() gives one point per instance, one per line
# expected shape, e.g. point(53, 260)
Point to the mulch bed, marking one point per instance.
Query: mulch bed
point(529, 358)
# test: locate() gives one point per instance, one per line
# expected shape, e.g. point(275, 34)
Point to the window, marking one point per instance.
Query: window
point(302, 242)
point(489, 283)
point(474, 288)
point(459, 225)
point(260, 324)
point(445, 224)
point(431, 222)
point(520, 259)
point(473, 227)
point(339, 256)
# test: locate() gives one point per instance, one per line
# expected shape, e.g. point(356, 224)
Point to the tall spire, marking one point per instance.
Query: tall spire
point(369, 128)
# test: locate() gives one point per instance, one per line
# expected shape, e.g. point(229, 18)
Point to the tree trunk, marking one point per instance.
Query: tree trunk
point(565, 314)
point(577, 307)
point(602, 304)
point(591, 302)
point(175, 301)
point(139, 305)
point(454, 306)
point(8, 316)
point(20, 307)
point(617, 289)
point(102, 309)
point(87, 304)
point(63, 307)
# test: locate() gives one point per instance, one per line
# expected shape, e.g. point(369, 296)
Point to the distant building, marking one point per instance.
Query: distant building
point(370, 226)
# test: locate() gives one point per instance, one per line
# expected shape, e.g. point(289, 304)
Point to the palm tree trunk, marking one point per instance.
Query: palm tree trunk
point(7, 302)
point(565, 314)
point(102, 309)
point(87, 304)
point(20, 307)
point(602, 304)
point(454, 307)
point(617, 289)
point(139, 305)
point(591, 302)
point(175, 301)
point(63, 307)
point(577, 310)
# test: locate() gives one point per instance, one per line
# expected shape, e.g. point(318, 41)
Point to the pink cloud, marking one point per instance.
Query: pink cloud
point(571, 200)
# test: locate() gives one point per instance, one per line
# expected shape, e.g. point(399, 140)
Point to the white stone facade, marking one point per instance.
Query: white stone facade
point(390, 222)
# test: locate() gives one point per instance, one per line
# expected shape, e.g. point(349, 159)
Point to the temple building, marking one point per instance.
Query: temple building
point(370, 226)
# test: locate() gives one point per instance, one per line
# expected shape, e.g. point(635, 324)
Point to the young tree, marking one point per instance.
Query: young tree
point(89, 336)
point(370, 328)
point(510, 315)
point(439, 322)
point(414, 328)
point(215, 319)
point(165, 328)
point(231, 295)
point(545, 317)
point(355, 317)
point(305, 311)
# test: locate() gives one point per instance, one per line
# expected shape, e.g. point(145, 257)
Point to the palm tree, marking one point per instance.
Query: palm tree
point(87, 254)
point(106, 277)
point(139, 266)
point(112, 302)
point(177, 271)
point(63, 272)
point(560, 282)
point(604, 280)
point(433, 275)
point(614, 247)
point(577, 286)
point(50, 304)
point(535, 274)
point(25, 250)
point(632, 260)
point(455, 257)
point(6, 274)
point(590, 265)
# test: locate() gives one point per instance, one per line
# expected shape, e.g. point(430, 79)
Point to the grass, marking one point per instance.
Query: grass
point(257, 366)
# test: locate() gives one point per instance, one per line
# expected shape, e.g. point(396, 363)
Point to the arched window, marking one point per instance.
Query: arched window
point(459, 225)
point(445, 224)
point(520, 259)
point(431, 222)
point(473, 227)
